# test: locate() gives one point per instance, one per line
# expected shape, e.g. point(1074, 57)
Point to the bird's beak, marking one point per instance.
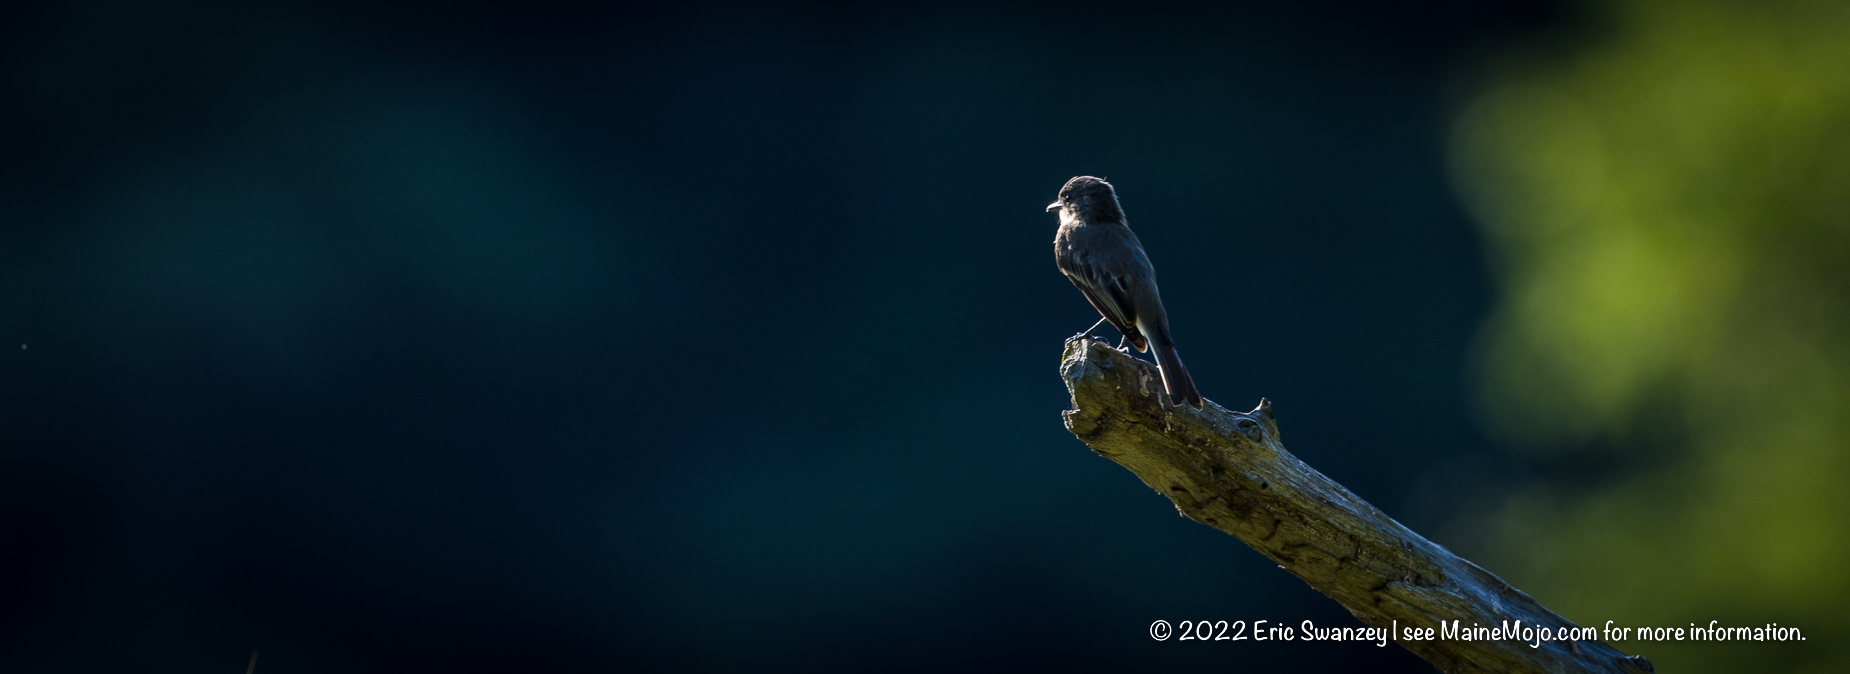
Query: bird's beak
point(1052, 206)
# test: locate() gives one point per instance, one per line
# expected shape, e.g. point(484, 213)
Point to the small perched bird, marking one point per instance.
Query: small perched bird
point(1097, 251)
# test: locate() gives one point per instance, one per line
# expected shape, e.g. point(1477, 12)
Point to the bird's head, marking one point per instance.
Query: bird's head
point(1090, 200)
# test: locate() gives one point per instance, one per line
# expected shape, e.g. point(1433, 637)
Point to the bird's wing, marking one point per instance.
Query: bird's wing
point(1108, 290)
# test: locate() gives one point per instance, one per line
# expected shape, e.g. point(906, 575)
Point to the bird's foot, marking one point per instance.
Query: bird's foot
point(1087, 333)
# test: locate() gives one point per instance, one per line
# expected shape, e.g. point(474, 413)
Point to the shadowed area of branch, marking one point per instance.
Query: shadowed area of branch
point(1228, 470)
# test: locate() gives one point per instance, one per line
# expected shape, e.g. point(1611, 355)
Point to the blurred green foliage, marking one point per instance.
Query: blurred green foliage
point(1667, 206)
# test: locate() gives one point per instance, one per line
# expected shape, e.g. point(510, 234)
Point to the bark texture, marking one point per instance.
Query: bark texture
point(1229, 470)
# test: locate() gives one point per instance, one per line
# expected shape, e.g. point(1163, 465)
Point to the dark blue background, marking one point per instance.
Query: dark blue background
point(467, 337)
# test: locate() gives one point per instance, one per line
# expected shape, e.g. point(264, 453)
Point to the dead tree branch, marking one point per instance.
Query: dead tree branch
point(1229, 471)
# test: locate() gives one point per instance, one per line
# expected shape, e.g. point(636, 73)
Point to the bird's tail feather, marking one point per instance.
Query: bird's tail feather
point(1176, 381)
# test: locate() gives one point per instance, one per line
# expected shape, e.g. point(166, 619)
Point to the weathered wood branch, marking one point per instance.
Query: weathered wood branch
point(1229, 471)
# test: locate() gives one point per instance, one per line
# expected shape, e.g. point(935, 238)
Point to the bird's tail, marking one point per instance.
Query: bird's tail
point(1176, 381)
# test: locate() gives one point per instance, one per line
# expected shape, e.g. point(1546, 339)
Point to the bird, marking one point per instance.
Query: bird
point(1096, 250)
